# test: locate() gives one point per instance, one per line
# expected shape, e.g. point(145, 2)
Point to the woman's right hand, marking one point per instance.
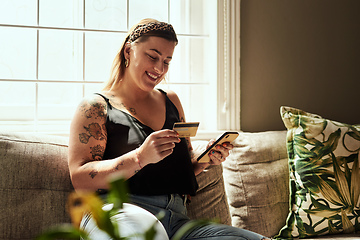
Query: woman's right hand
point(157, 146)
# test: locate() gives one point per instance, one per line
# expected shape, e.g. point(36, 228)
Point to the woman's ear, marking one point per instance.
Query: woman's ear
point(127, 50)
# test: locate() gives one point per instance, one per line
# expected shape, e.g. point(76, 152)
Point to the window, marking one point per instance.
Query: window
point(54, 52)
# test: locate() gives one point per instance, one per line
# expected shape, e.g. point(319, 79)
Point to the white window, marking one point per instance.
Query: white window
point(54, 52)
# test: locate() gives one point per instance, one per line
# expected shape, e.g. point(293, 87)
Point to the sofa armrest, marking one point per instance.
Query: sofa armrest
point(34, 184)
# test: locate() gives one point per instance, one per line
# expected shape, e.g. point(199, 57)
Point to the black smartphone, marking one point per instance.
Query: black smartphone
point(225, 137)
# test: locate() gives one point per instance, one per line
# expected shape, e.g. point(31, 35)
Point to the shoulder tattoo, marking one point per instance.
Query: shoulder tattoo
point(96, 110)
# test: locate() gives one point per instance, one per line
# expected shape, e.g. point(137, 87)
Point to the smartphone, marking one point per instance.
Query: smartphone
point(225, 137)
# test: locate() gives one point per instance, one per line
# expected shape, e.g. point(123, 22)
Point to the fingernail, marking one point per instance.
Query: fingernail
point(212, 152)
point(217, 147)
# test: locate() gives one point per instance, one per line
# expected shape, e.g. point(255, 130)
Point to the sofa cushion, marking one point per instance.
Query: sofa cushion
point(256, 182)
point(210, 201)
point(324, 175)
point(34, 184)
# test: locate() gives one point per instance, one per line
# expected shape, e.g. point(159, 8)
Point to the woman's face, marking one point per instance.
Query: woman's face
point(149, 61)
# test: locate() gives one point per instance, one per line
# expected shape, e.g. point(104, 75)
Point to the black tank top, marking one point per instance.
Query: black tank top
point(174, 174)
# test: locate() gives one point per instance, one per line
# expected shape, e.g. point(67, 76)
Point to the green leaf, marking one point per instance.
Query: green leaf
point(300, 226)
point(299, 146)
point(64, 231)
point(324, 213)
point(118, 192)
point(150, 233)
point(286, 231)
point(312, 126)
point(332, 228)
point(328, 146)
point(342, 184)
point(355, 182)
point(347, 225)
point(330, 193)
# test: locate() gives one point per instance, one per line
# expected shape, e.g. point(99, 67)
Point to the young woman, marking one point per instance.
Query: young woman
point(126, 128)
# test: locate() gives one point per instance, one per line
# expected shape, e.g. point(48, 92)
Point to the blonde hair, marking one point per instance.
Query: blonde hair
point(118, 66)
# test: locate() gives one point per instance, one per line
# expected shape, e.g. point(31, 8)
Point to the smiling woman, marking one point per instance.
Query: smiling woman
point(132, 135)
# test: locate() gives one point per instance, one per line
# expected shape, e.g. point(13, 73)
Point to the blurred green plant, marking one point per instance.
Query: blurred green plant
point(80, 203)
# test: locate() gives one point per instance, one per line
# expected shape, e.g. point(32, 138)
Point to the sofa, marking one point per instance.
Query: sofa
point(250, 190)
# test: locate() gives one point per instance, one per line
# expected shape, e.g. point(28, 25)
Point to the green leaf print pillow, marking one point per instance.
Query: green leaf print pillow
point(324, 175)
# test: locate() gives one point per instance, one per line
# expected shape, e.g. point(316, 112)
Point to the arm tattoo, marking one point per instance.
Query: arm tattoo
point(92, 130)
point(97, 152)
point(96, 111)
point(93, 173)
point(120, 164)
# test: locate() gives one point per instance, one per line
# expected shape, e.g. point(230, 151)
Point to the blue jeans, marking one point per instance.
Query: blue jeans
point(174, 207)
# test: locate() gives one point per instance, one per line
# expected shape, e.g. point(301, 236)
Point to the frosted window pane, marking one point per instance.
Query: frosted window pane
point(188, 62)
point(100, 51)
point(17, 113)
point(139, 9)
point(199, 103)
point(191, 16)
point(61, 127)
point(61, 13)
point(106, 14)
point(22, 12)
point(17, 53)
point(92, 88)
point(60, 55)
point(58, 101)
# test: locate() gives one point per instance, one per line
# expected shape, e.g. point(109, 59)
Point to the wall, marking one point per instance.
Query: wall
point(304, 54)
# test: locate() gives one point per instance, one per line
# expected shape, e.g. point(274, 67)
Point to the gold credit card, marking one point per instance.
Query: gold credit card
point(186, 129)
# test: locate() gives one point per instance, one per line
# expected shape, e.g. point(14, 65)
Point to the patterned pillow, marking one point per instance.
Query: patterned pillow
point(324, 175)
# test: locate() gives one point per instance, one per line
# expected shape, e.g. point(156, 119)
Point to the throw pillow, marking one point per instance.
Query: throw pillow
point(324, 175)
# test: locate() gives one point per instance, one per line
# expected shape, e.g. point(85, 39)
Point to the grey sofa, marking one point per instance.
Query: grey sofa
point(35, 184)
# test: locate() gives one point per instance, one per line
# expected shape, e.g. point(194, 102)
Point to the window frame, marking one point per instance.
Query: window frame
point(228, 70)
point(228, 80)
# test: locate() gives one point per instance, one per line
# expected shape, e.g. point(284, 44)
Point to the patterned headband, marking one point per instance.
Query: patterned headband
point(153, 26)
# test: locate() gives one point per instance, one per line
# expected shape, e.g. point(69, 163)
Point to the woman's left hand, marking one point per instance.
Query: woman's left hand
point(220, 153)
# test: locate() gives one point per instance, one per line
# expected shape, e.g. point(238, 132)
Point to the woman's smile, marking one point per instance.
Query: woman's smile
point(152, 76)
